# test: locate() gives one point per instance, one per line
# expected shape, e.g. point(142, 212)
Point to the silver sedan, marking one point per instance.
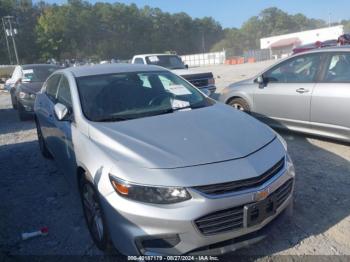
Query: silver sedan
point(161, 168)
point(309, 92)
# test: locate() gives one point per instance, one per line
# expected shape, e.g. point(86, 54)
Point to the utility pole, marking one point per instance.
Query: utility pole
point(7, 41)
point(203, 42)
point(11, 32)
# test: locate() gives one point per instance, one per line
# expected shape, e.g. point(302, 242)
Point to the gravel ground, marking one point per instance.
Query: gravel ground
point(34, 193)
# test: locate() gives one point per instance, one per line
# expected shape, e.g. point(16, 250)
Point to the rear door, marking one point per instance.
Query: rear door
point(286, 97)
point(330, 105)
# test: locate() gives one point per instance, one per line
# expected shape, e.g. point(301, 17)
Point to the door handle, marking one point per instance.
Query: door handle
point(302, 90)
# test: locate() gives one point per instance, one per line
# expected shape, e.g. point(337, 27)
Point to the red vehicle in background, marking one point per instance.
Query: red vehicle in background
point(342, 40)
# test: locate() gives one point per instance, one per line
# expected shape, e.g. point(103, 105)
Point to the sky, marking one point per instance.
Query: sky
point(233, 13)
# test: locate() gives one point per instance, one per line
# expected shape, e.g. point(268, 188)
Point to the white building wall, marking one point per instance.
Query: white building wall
point(204, 59)
point(306, 37)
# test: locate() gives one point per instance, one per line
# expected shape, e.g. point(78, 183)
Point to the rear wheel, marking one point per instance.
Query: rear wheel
point(239, 104)
point(42, 145)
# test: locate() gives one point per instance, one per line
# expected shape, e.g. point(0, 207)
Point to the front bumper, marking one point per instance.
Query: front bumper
point(172, 227)
point(26, 104)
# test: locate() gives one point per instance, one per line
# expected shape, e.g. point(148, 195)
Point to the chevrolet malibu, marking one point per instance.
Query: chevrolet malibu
point(161, 168)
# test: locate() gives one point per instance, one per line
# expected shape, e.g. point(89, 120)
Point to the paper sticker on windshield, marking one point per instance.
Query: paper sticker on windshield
point(175, 104)
point(178, 90)
point(153, 59)
point(28, 71)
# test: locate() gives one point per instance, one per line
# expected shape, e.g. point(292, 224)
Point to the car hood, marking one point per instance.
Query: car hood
point(182, 139)
point(186, 72)
point(31, 87)
point(248, 81)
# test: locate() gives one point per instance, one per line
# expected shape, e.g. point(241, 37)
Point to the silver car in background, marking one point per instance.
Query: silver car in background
point(308, 92)
point(161, 168)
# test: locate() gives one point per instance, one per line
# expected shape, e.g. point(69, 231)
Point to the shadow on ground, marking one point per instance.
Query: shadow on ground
point(9, 122)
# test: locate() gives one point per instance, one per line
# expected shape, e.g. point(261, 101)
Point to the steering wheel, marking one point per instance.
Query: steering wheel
point(159, 99)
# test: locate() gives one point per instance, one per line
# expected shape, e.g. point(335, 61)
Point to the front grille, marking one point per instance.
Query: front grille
point(232, 219)
point(221, 221)
point(234, 186)
point(283, 192)
point(199, 82)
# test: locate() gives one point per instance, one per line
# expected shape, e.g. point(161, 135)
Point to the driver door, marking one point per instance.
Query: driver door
point(285, 97)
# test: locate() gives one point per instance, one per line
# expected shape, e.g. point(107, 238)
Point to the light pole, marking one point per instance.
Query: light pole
point(7, 41)
point(11, 32)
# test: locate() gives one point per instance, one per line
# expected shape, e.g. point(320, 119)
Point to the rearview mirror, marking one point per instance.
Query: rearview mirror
point(61, 112)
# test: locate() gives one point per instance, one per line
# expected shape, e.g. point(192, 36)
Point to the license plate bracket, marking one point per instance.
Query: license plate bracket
point(257, 212)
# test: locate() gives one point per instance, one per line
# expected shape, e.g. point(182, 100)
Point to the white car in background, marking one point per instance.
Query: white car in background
point(204, 81)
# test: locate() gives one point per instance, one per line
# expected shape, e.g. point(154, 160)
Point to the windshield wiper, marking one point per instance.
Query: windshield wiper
point(172, 110)
point(112, 119)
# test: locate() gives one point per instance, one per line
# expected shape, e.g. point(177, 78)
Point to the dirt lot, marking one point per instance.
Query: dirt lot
point(34, 193)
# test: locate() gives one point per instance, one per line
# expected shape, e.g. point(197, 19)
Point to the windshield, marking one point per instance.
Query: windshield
point(167, 61)
point(123, 96)
point(38, 73)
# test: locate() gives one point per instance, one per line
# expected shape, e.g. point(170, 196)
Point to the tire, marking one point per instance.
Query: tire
point(42, 145)
point(239, 104)
point(94, 216)
point(22, 115)
point(13, 101)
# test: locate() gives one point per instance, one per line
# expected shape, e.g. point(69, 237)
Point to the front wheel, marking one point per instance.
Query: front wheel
point(239, 104)
point(22, 114)
point(93, 214)
point(13, 101)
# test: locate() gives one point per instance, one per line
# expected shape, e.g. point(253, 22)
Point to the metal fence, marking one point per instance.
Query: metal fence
point(204, 59)
point(258, 55)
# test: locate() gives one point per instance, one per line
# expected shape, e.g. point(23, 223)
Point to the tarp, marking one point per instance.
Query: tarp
point(286, 42)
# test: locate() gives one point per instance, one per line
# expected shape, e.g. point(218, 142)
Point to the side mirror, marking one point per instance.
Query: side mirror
point(261, 81)
point(186, 66)
point(61, 112)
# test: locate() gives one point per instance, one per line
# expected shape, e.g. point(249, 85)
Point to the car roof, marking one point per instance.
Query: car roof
point(106, 69)
point(28, 66)
point(345, 48)
point(145, 55)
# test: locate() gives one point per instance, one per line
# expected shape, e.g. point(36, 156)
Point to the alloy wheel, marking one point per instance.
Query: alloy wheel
point(238, 106)
point(93, 212)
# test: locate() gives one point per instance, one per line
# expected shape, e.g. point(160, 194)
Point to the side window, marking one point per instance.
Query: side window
point(52, 86)
point(301, 69)
point(138, 61)
point(338, 69)
point(64, 95)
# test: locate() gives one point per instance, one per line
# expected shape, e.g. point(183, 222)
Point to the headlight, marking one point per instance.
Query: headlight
point(24, 95)
point(149, 194)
